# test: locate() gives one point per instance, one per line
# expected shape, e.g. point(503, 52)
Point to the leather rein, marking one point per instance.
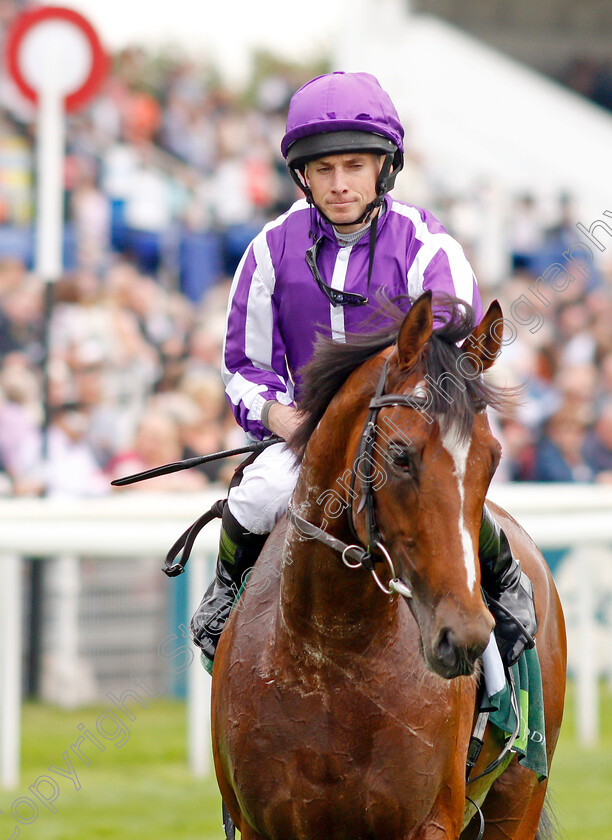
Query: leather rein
point(357, 556)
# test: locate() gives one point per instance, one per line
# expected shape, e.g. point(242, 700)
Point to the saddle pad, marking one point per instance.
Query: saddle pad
point(531, 741)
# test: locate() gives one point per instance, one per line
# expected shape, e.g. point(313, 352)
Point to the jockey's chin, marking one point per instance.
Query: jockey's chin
point(346, 215)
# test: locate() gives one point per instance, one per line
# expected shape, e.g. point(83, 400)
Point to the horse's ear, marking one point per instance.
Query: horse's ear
point(483, 344)
point(415, 331)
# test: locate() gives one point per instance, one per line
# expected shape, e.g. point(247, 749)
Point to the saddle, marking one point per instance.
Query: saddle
point(516, 713)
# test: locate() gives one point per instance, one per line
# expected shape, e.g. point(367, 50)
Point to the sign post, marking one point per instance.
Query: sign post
point(55, 58)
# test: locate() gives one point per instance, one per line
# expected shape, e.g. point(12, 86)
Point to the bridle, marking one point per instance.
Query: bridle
point(357, 556)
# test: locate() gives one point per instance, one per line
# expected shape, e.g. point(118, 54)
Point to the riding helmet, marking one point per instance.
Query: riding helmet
point(339, 113)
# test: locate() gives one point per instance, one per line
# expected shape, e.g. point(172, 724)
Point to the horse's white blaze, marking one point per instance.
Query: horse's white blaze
point(458, 450)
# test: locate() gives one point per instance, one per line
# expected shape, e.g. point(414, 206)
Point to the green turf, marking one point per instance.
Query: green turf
point(581, 778)
point(139, 787)
point(135, 789)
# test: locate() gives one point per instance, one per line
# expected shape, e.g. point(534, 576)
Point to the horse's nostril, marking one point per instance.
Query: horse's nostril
point(446, 647)
point(453, 658)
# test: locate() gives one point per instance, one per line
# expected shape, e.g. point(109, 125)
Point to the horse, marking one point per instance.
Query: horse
point(343, 701)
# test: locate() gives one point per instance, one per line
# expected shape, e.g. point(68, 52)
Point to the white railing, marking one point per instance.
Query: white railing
point(576, 517)
point(125, 526)
point(136, 524)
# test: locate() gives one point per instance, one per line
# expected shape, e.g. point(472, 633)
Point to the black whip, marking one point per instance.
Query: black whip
point(176, 466)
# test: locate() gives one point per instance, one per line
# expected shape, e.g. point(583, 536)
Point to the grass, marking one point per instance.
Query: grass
point(139, 787)
point(136, 789)
point(581, 778)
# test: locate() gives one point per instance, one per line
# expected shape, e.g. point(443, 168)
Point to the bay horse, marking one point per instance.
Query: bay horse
point(342, 711)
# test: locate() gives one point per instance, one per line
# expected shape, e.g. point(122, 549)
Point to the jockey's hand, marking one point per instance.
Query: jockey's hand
point(283, 419)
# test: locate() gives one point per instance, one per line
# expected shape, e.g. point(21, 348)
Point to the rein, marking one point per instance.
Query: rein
point(350, 552)
point(367, 557)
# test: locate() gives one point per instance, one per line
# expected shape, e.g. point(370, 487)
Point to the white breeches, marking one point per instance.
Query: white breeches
point(262, 496)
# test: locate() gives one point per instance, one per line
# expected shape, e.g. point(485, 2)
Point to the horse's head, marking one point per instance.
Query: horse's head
point(409, 465)
point(432, 459)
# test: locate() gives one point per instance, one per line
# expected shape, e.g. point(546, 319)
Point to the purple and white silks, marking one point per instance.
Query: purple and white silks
point(276, 310)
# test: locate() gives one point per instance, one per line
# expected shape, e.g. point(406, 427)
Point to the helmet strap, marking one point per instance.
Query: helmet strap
point(386, 178)
point(372, 247)
point(384, 183)
point(300, 179)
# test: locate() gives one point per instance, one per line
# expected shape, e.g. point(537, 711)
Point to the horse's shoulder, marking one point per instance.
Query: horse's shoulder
point(535, 567)
point(260, 593)
point(520, 541)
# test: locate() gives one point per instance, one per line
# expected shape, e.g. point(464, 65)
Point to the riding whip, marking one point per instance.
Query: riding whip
point(176, 466)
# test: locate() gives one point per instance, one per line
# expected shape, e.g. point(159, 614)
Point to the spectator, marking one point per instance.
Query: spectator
point(559, 453)
point(58, 461)
point(526, 234)
point(20, 420)
point(21, 320)
point(518, 451)
point(604, 380)
point(108, 428)
point(71, 468)
point(12, 274)
point(207, 433)
point(157, 441)
point(598, 445)
point(576, 387)
point(92, 218)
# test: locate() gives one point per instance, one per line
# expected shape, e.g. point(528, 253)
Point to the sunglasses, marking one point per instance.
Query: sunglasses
point(335, 296)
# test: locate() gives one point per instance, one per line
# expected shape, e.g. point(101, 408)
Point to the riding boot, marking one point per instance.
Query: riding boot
point(508, 591)
point(238, 551)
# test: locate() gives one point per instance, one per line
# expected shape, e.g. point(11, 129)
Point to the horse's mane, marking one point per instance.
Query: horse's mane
point(455, 397)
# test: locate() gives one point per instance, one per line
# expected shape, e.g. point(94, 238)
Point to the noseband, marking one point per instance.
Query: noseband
point(356, 556)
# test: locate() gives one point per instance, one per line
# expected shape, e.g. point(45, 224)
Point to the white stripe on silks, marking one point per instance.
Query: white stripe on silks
point(258, 333)
point(232, 292)
point(461, 271)
point(458, 450)
point(263, 259)
point(239, 389)
point(259, 326)
point(336, 313)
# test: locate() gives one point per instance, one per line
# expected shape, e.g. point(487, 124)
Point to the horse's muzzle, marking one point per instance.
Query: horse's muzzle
point(458, 644)
point(451, 659)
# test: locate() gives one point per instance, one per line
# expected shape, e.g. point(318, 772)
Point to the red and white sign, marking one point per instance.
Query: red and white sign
point(53, 47)
point(57, 62)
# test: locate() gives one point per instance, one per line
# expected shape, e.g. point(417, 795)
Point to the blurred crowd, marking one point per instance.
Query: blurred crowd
point(558, 350)
point(590, 77)
point(133, 382)
point(168, 176)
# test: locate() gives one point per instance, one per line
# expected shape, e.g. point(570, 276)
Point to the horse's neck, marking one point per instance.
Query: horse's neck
point(323, 602)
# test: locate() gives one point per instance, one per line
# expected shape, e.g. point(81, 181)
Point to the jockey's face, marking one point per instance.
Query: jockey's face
point(343, 185)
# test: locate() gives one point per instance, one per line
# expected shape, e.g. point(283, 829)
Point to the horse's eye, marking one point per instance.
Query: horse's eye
point(402, 457)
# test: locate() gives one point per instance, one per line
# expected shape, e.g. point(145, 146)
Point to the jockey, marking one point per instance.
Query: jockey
point(322, 263)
